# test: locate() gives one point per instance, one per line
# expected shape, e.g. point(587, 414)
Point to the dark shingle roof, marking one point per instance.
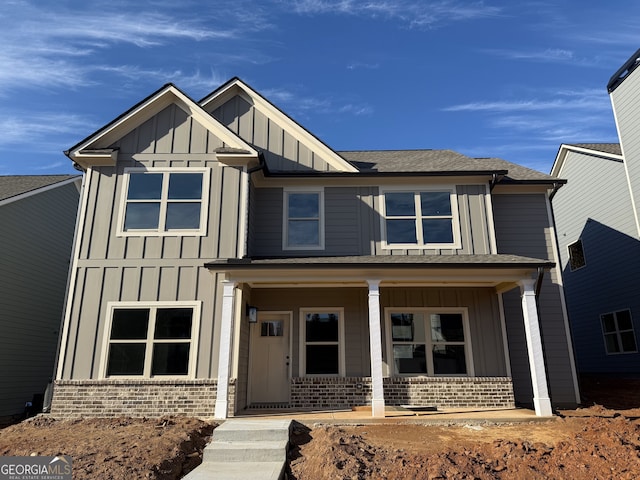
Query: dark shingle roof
point(613, 148)
point(12, 185)
point(435, 161)
point(420, 261)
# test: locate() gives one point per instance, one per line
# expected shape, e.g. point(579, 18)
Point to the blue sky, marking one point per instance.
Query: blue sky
point(488, 79)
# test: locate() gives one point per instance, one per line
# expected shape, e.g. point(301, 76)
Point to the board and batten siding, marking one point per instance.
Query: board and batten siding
point(484, 320)
point(626, 102)
point(523, 228)
point(36, 239)
point(282, 151)
point(148, 268)
point(353, 224)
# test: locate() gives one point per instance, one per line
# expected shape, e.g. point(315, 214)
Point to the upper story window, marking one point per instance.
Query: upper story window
point(576, 256)
point(165, 202)
point(303, 227)
point(422, 218)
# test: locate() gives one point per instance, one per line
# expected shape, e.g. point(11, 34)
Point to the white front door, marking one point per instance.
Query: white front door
point(270, 358)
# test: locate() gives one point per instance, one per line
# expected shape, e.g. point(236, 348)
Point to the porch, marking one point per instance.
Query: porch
point(380, 333)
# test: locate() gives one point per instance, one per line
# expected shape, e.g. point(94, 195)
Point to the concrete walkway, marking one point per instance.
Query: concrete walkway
point(245, 449)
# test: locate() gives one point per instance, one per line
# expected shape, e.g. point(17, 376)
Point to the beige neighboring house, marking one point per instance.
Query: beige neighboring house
point(227, 259)
point(37, 221)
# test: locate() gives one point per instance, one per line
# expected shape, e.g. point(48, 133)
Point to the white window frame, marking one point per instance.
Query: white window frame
point(285, 218)
point(166, 171)
point(416, 190)
point(618, 332)
point(152, 306)
point(427, 312)
point(584, 257)
point(303, 341)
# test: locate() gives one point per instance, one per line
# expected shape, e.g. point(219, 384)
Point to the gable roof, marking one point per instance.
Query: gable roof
point(94, 149)
point(609, 151)
point(15, 185)
point(236, 86)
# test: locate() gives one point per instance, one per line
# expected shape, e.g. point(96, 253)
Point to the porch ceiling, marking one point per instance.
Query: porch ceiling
point(406, 270)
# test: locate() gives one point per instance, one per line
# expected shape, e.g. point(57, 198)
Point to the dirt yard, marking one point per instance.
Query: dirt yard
point(588, 443)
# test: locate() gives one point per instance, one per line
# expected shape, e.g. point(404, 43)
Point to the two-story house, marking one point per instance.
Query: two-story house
point(227, 258)
point(598, 228)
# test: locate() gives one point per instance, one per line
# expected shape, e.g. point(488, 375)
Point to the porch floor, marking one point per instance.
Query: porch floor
point(362, 415)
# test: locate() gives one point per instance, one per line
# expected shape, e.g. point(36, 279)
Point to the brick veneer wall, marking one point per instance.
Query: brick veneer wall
point(137, 398)
point(442, 392)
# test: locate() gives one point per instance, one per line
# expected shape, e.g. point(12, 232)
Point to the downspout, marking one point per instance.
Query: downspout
point(539, 279)
point(556, 187)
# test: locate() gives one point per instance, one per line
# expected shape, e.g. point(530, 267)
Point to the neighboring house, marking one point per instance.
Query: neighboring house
point(226, 258)
point(596, 216)
point(37, 221)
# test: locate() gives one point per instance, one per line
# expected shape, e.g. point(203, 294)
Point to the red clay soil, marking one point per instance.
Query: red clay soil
point(588, 443)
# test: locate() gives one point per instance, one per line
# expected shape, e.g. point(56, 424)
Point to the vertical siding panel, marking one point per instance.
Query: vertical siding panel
point(146, 139)
point(245, 119)
point(208, 290)
point(187, 282)
point(465, 221)
point(130, 284)
point(168, 283)
point(305, 156)
point(127, 144)
point(181, 131)
point(213, 143)
point(164, 130)
point(90, 219)
point(101, 228)
point(134, 247)
point(229, 213)
point(209, 244)
point(74, 320)
point(149, 278)
point(198, 141)
point(290, 151)
point(275, 144)
point(110, 292)
point(90, 315)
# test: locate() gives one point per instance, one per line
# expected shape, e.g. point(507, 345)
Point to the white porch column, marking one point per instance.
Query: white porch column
point(375, 347)
point(224, 356)
point(541, 400)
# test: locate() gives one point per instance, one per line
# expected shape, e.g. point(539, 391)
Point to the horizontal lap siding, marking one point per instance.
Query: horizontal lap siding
point(523, 228)
point(35, 239)
point(595, 206)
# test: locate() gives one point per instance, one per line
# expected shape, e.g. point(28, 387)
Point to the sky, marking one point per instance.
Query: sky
point(485, 78)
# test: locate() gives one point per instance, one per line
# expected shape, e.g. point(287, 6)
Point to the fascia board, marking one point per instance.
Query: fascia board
point(221, 95)
point(147, 109)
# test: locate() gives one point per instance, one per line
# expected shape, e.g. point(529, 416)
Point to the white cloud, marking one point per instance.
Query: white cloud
point(418, 14)
point(40, 127)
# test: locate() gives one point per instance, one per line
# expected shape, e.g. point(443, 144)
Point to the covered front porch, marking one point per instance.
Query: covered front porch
point(335, 333)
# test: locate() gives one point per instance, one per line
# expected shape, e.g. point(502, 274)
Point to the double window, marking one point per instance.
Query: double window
point(421, 218)
point(151, 340)
point(303, 220)
point(322, 341)
point(429, 342)
point(617, 328)
point(165, 201)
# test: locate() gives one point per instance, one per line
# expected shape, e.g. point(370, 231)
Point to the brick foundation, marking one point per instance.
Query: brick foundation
point(136, 398)
point(311, 393)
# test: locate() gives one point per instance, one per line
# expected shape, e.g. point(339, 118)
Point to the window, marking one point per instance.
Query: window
point(164, 201)
point(303, 220)
point(424, 218)
point(576, 256)
point(429, 342)
point(617, 328)
point(151, 341)
point(322, 342)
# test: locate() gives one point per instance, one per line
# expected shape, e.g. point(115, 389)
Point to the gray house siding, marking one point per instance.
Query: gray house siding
point(595, 207)
point(484, 319)
point(523, 228)
point(35, 240)
point(353, 224)
point(282, 151)
point(148, 268)
point(625, 101)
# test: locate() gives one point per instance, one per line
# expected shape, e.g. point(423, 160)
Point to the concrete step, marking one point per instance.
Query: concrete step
point(238, 471)
point(252, 430)
point(261, 451)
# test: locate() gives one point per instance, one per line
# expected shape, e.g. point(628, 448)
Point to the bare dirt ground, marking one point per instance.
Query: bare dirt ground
point(602, 441)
